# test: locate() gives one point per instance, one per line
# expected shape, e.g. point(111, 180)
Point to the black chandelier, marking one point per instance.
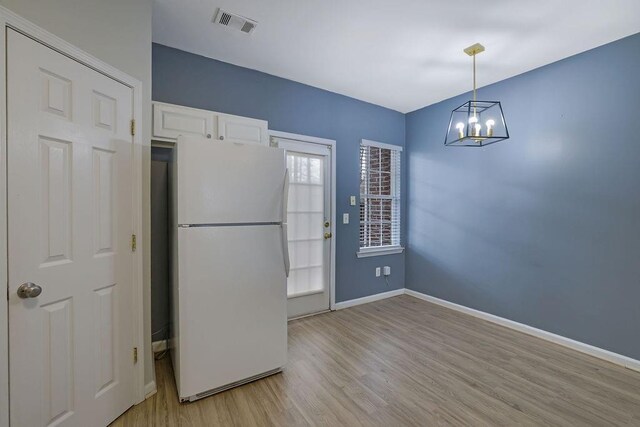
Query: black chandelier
point(476, 123)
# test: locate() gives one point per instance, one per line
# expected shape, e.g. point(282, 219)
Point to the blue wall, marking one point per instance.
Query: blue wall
point(187, 79)
point(543, 228)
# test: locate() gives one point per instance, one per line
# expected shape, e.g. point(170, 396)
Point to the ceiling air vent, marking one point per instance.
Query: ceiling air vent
point(234, 21)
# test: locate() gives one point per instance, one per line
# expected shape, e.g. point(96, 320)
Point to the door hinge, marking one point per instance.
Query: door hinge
point(133, 243)
point(135, 355)
point(133, 127)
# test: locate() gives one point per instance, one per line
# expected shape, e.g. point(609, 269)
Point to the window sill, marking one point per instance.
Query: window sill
point(389, 250)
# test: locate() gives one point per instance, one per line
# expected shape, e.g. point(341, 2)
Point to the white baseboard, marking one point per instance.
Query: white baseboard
point(367, 299)
point(600, 353)
point(150, 389)
point(157, 346)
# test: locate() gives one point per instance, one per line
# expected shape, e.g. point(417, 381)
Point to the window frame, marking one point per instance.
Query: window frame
point(396, 185)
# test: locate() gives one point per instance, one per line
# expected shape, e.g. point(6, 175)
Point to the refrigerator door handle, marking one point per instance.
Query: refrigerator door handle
point(285, 196)
point(285, 249)
point(285, 238)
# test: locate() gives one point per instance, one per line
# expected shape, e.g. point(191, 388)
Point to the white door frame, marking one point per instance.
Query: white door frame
point(331, 144)
point(9, 19)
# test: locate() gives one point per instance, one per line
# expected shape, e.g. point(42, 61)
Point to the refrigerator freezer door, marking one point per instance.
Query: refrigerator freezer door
point(233, 305)
point(226, 183)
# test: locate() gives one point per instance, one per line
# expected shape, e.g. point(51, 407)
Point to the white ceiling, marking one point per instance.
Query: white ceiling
point(401, 54)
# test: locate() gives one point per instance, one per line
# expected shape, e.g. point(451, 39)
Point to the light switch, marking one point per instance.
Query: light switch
point(377, 271)
point(345, 218)
point(352, 200)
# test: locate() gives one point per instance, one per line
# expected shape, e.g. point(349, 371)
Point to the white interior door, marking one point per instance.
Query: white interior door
point(309, 227)
point(70, 221)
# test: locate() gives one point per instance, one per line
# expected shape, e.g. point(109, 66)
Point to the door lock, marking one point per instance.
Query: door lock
point(327, 224)
point(29, 290)
point(328, 235)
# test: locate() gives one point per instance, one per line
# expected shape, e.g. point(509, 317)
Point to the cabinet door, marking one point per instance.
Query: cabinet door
point(242, 129)
point(170, 121)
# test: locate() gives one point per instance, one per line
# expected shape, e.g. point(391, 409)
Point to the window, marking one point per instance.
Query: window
point(379, 198)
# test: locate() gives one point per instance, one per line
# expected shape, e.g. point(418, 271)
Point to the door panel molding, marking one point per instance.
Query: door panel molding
point(9, 19)
point(331, 144)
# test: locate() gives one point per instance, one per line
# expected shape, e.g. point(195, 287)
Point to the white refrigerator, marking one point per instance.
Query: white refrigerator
point(230, 265)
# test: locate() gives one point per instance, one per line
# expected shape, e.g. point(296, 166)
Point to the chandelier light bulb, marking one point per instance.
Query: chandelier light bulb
point(460, 127)
point(490, 123)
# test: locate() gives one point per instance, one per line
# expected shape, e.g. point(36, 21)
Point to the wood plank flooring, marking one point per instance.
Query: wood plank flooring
point(404, 361)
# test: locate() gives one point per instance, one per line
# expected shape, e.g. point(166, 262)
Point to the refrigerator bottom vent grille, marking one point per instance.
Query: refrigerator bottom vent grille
point(230, 386)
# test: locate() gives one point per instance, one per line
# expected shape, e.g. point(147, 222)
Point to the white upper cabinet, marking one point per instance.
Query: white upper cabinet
point(170, 121)
point(242, 129)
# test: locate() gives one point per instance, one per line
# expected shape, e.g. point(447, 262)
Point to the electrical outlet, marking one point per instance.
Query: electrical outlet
point(377, 271)
point(345, 218)
point(352, 200)
point(387, 270)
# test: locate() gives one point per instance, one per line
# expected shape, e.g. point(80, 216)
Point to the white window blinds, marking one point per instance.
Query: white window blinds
point(379, 195)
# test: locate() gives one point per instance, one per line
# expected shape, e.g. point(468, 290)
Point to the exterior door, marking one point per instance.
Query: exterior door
point(309, 227)
point(70, 221)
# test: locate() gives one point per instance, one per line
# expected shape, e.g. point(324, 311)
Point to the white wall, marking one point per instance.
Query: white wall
point(119, 33)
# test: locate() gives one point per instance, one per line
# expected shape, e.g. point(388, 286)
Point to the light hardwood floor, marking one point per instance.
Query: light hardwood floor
point(404, 361)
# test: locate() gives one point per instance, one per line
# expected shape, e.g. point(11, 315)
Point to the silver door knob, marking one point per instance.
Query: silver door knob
point(29, 290)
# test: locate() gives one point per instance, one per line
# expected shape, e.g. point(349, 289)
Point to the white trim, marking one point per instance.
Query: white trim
point(371, 298)
point(309, 147)
point(30, 29)
point(379, 251)
point(332, 146)
point(369, 143)
point(394, 197)
point(597, 352)
point(158, 346)
point(10, 19)
point(150, 389)
point(4, 306)
point(600, 353)
point(302, 138)
point(162, 142)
